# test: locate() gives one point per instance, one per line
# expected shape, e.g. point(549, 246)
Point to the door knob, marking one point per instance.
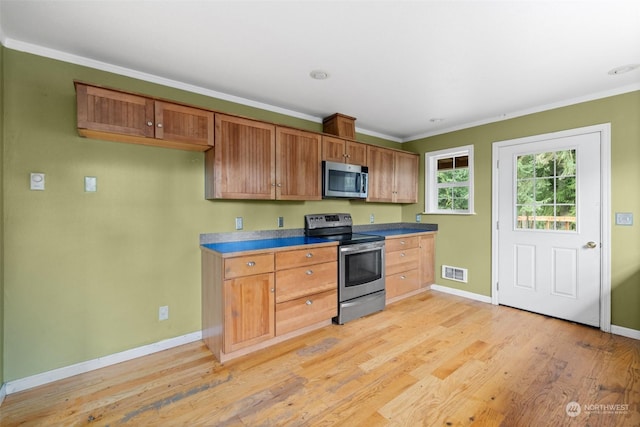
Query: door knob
point(592, 245)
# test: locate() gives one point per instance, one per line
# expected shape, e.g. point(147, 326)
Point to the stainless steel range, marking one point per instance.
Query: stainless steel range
point(361, 288)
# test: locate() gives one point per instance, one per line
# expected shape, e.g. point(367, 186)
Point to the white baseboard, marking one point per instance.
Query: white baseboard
point(460, 293)
point(625, 332)
point(3, 392)
point(101, 362)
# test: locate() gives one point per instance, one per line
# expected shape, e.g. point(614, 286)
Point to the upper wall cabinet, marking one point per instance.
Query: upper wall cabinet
point(243, 160)
point(343, 151)
point(393, 175)
point(298, 160)
point(257, 160)
point(124, 117)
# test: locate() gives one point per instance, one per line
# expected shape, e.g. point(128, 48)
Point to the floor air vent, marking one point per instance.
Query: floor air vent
point(454, 273)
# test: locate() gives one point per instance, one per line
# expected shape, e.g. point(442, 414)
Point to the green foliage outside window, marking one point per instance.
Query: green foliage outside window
point(546, 191)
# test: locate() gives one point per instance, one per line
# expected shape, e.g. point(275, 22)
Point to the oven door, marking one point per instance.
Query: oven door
point(361, 270)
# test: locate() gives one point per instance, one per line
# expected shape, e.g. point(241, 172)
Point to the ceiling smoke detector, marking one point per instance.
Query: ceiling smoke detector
point(319, 75)
point(623, 69)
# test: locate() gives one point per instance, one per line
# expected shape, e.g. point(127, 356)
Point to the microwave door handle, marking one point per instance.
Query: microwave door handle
point(363, 183)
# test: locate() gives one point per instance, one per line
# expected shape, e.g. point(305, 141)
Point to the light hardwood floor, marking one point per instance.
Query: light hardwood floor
point(433, 359)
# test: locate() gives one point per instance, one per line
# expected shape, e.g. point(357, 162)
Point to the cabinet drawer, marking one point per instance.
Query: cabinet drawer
point(301, 257)
point(248, 265)
point(403, 260)
point(402, 283)
point(302, 312)
point(299, 282)
point(400, 243)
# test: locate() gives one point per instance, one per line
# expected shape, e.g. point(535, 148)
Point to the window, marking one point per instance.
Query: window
point(449, 181)
point(546, 191)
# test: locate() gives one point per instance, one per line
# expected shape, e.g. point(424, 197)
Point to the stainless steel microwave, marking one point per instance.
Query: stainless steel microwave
point(344, 180)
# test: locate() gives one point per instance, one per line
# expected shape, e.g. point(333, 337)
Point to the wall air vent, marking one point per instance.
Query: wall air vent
point(454, 273)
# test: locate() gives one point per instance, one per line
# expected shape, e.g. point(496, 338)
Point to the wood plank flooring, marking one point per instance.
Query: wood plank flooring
point(433, 359)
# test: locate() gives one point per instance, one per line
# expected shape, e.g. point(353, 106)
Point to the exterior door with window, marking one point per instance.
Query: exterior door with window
point(549, 227)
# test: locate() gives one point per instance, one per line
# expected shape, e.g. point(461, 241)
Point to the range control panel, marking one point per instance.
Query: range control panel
point(315, 221)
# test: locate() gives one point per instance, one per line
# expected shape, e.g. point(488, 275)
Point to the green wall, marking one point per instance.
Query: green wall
point(1, 216)
point(85, 273)
point(465, 241)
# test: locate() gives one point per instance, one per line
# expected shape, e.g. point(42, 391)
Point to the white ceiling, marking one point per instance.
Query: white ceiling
point(394, 65)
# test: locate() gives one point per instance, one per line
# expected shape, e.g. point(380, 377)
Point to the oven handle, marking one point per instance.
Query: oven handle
point(362, 247)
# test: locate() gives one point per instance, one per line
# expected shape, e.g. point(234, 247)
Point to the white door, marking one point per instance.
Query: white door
point(549, 226)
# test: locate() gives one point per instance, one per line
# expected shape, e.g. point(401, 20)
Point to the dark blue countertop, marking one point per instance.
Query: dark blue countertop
point(395, 231)
point(253, 245)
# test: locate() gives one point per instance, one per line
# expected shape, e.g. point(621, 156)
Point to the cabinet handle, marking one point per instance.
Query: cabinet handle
point(272, 290)
point(403, 277)
point(402, 242)
point(402, 254)
point(309, 302)
point(159, 125)
point(279, 185)
point(309, 255)
point(149, 123)
point(309, 272)
point(251, 263)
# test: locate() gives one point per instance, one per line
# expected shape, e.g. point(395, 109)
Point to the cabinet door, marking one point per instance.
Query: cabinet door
point(114, 112)
point(185, 124)
point(298, 175)
point(380, 162)
point(242, 162)
point(405, 177)
point(249, 311)
point(356, 153)
point(333, 149)
point(427, 259)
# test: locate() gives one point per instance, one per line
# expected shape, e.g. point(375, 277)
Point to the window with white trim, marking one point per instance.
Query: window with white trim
point(449, 181)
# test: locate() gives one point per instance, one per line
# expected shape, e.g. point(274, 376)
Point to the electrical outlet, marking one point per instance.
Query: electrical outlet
point(163, 312)
point(418, 217)
point(90, 184)
point(239, 223)
point(36, 181)
point(280, 221)
point(372, 218)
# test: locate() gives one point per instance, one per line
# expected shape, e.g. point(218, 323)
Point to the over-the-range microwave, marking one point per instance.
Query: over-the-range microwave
point(344, 180)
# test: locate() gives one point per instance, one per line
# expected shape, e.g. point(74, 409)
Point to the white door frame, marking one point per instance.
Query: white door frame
point(605, 211)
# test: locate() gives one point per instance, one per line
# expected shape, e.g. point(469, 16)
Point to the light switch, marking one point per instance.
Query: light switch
point(90, 184)
point(624, 218)
point(37, 181)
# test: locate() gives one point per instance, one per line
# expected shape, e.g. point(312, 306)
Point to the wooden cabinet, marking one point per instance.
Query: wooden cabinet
point(249, 296)
point(242, 162)
point(306, 288)
point(259, 161)
point(393, 175)
point(409, 264)
point(298, 161)
point(343, 151)
point(124, 117)
point(401, 265)
point(427, 259)
point(252, 301)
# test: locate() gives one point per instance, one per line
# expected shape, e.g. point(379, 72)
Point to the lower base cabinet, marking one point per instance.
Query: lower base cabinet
point(409, 264)
point(252, 301)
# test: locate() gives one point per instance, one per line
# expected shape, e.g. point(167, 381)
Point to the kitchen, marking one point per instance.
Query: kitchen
point(104, 262)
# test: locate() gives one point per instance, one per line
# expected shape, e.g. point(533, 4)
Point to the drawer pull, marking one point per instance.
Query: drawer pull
point(403, 277)
point(309, 255)
point(309, 272)
point(251, 263)
point(402, 242)
point(403, 254)
point(309, 302)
